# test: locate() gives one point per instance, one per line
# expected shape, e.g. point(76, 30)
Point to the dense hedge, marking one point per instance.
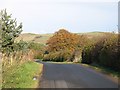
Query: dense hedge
point(104, 52)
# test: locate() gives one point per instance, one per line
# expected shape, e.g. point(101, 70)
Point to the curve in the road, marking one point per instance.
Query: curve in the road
point(73, 76)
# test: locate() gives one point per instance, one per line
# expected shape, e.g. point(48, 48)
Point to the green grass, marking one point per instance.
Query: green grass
point(65, 62)
point(105, 70)
point(22, 76)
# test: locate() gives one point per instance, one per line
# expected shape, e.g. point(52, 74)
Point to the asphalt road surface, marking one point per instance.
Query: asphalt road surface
point(73, 76)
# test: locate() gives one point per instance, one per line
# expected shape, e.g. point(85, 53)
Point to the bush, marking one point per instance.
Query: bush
point(109, 55)
point(63, 45)
point(86, 55)
point(37, 49)
point(104, 52)
point(60, 56)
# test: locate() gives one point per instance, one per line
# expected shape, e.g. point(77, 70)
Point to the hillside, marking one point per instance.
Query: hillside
point(42, 38)
point(38, 38)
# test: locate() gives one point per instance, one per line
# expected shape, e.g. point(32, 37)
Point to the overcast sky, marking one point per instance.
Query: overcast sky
point(48, 16)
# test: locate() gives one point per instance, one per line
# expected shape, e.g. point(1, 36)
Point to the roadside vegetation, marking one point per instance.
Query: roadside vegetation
point(22, 76)
point(100, 51)
point(18, 66)
point(103, 69)
point(104, 52)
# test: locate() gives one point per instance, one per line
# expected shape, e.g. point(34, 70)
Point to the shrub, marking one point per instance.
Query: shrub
point(37, 49)
point(86, 55)
point(104, 52)
point(109, 55)
point(62, 45)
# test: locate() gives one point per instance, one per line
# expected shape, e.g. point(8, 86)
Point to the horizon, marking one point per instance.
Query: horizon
point(48, 16)
point(70, 32)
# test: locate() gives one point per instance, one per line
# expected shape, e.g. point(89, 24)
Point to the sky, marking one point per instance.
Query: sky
point(78, 16)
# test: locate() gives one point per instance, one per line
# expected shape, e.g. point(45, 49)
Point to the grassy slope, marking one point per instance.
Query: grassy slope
point(42, 38)
point(22, 76)
point(38, 38)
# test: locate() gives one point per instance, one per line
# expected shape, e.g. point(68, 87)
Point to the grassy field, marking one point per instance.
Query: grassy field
point(37, 38)
point(22, 76)
point(93, 35)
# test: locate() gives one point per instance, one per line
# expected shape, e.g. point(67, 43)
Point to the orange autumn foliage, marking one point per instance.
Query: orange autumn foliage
point(64, 42)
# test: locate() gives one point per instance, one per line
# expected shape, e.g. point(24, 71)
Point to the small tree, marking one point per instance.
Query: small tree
point(9, 31)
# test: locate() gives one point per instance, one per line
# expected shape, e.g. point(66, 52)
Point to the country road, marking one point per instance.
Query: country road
point(56, 75)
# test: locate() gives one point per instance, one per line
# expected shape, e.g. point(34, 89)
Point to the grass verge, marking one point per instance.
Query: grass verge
point(105, 70)
point(62, 62)
point(22, 76)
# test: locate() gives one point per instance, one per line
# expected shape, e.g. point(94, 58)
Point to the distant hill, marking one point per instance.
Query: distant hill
point(38, 38)
point(42, 38)
point(93, 35)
